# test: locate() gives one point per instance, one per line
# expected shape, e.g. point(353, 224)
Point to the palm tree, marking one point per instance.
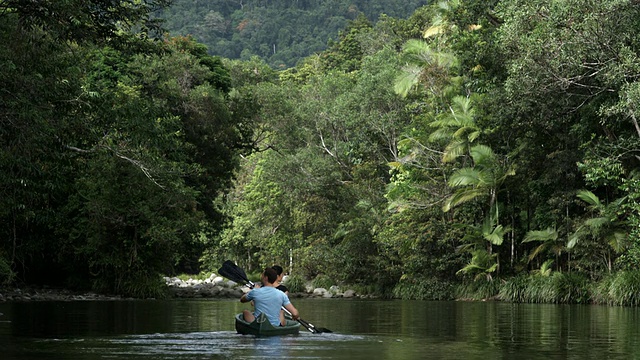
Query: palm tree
point(457, 127)
point(424, 66)
point(484, 179)
point(549, 242)
point(428, 62)
point(482, 264)
point(440, 24)
point(605, 224)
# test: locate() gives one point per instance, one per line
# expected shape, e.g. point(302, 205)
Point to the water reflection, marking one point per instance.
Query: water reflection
point(362, 330)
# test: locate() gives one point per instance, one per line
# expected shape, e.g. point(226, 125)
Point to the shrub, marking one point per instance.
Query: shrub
point(515, 289)
point(370, 289)
point(570, 288)
point(6, 274)
point(424, 289)
point(295, 284)
point(322, 281)
point(478, 290)
point(139, 284)
point(600, 293)
point(559, 288)
point(623, 289)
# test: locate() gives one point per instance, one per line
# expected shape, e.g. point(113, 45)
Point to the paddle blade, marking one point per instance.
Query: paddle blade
point(233, 272)
point(312, 328)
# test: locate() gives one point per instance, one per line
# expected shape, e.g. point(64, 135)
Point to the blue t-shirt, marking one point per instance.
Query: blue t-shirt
point(268, 300)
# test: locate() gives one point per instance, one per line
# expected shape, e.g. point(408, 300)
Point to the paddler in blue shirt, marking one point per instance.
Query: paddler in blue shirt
point(268, 300)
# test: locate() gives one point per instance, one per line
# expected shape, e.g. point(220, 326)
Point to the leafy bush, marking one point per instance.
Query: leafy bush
point(515, 290)
point(570, 288)
point(322, 281)
point(600, 293)
point(6, 274)
point(424, 289)
point(478, 290)
point(139, 284)
point(295, 284)
point(559, 288)
point(255, 276)
point(622, 288)
point(369, 289)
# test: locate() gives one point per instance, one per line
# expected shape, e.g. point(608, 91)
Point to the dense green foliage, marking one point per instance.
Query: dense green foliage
point(113, 147)
point(444, 154)
point(475, 149)
point(280, 32)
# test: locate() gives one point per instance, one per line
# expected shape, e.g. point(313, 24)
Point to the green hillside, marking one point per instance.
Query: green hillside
point(281, 32)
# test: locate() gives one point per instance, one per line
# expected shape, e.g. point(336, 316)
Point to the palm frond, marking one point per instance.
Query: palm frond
point(537, 251)
point(465, 177)
point(496, 236)
point(474, 135)
point(589, 197)
point(433, 30)
point(545, 268)
point(445, 60)
point(618, 240)
point(580, 233)
point(415, 46)
point(440, 134)
point(462, 105)
point(461, 197)
point(541, 235)
point(407, 79)
point(597, 223)
point(454, 150)
point(482, 155)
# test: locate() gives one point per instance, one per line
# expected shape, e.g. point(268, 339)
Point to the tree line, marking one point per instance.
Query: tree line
point(474, 149)
point(280, 32)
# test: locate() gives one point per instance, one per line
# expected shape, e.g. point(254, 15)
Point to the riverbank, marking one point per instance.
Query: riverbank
point(218, 287)
point(212, 287)
point(50, 294)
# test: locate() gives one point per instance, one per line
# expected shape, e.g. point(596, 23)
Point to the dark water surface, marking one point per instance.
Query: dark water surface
point(363, 329)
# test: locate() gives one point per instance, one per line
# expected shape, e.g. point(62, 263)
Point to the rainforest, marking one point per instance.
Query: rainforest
point(408, 149)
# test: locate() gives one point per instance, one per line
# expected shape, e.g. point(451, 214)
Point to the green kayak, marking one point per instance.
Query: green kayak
point(262, 327)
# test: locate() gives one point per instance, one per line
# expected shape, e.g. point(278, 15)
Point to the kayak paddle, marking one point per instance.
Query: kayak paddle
point(235, 273)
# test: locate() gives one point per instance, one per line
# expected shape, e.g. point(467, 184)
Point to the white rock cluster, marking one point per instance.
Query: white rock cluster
point(217, 286)
point(213, 286)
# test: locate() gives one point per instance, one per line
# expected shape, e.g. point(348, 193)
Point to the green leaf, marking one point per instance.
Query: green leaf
point(549, 234)
point(589, 197)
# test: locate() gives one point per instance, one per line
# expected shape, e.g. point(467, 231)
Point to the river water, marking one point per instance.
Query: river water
point(362, 329)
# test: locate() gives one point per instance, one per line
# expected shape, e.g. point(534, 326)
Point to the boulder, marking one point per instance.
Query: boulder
point(319, 291)
point(349, 294)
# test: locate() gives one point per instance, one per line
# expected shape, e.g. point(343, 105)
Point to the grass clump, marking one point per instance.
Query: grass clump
point(295, 284)
point(478, 290)
point(322, 281)
point(558, 288)
point(622, 289)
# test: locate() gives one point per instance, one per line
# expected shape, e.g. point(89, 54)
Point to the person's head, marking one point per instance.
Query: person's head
point(270, 275)
point(279, 270)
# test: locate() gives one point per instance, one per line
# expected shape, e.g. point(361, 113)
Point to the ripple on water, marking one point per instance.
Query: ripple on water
point(208, 345)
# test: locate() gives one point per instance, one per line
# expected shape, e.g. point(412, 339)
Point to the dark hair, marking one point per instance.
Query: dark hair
point(278, 269)
point(271, 275)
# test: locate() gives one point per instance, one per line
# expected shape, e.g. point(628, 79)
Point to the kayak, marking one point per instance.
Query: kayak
point(262, 327)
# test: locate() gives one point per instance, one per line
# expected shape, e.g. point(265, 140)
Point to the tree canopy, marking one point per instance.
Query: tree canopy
point(470, 149)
